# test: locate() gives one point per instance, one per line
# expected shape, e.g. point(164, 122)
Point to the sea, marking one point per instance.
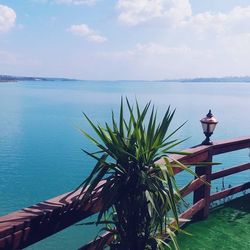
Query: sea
point(41, 141)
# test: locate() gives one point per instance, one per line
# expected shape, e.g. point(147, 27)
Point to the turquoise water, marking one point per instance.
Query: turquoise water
point(40, 142)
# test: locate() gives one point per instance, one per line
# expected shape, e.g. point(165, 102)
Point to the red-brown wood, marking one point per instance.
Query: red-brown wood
point(230, 171)
point(44, 219)
point(196, 154)
point(194, 185)
point(229, 191)
point(224, 146)
point(189, 213)
point(29, 225)
point(204, 191)
point(95, 244)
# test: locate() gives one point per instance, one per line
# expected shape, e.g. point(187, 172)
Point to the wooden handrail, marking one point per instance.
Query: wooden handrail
point(39, 221)
point(229, 191)
point(29, 225)
point(194, 185)
point(96, 244)
point(189, 213)
point(230, 171)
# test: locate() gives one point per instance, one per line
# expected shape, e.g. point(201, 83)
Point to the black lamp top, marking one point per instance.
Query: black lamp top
point(209, 114)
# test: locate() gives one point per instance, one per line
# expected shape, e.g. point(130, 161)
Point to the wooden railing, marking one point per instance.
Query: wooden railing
point(29, 225)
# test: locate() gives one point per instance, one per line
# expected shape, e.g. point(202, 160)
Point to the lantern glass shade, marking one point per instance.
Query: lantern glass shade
point(211, 127)
point(208, 127)
point(204, 127)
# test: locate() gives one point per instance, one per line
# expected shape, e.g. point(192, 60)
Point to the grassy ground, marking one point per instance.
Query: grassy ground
point(227, 228)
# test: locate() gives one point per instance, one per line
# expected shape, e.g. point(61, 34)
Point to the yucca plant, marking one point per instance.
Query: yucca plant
point(139, 196)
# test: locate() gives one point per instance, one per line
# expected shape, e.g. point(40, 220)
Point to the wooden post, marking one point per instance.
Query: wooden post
point(204, 191)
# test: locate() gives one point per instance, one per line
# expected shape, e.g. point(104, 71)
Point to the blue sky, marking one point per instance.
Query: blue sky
point(125, 39)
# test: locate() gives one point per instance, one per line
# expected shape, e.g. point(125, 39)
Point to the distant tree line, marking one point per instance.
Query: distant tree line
point(8, 78)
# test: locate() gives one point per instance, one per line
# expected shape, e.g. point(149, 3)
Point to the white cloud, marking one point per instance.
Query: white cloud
point(84, 31)
point(7, 18)
point(224, 57)
point(150, 50)
point(133, 12)
point(152, 61)
point(178, 13)
point(158, 49)
point(233, 22)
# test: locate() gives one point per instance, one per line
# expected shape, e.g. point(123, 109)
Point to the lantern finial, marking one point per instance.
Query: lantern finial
point(209, 115)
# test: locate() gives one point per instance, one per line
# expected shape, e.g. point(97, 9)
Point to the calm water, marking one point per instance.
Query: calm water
point(40, 142)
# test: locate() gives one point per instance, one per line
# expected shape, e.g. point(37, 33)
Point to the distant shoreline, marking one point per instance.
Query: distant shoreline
point(8, 81)
point(234, 79)
point(245, 79)
point(8, 78)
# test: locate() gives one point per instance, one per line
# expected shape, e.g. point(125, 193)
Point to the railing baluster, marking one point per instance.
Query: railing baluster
point(204, 191)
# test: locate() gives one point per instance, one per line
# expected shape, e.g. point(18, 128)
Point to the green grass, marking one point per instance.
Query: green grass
point(228, 227)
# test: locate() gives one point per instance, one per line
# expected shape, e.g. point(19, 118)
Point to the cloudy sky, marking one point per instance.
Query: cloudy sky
point(125, 39)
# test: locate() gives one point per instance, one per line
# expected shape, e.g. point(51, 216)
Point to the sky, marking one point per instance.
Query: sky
point(125, 39)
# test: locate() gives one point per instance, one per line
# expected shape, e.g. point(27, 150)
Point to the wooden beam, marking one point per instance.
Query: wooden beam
point(98, 243)
point(189, 213)
point(29, 225)
point(199, 153)
point(230, 171)
point(224, 146)
point(196, 154)
point(195, 184)
point(229, 191)
point(204, 191)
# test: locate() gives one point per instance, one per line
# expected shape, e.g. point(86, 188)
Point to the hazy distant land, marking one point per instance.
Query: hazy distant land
point(9, 78)
point(213, 79)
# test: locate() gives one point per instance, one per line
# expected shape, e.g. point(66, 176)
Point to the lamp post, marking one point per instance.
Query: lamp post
point(208, 125)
